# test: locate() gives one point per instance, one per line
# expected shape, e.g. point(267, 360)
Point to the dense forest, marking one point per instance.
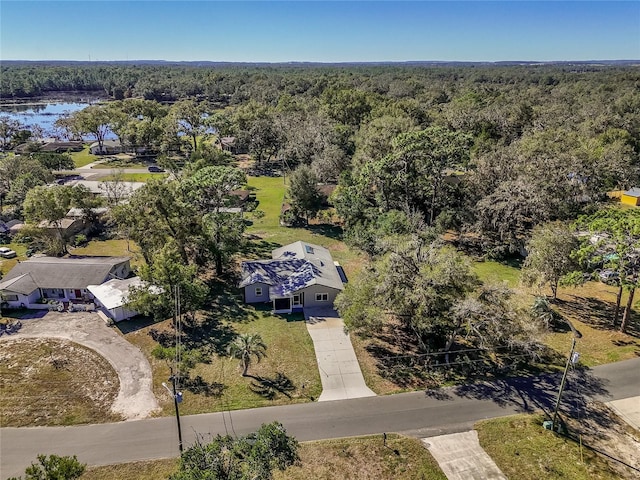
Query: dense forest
point(426, 165)
point(511, 147)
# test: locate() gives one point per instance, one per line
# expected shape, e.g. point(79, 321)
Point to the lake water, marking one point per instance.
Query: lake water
point(42, 114)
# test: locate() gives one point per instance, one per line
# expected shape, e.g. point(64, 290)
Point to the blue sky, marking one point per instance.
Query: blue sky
point(341, 31)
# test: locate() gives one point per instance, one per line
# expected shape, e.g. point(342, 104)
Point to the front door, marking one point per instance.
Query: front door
point(297, 300)
point(78, 293)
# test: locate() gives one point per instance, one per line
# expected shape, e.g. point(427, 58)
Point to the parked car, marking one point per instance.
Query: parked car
point(609, 276)
point(7, 252)
point(155, 169)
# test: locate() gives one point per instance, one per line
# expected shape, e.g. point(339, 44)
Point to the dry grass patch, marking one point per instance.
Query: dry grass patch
point(216, 384)
point(54, 382)
point(148, 470)
point(590, 309)
point(522, 449)
point(364, 458)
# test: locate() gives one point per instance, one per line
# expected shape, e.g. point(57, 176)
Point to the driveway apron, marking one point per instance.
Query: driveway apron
point(339, 368)
point(461, 457)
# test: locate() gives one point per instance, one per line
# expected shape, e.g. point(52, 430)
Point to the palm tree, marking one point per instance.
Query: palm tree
point(244, 347)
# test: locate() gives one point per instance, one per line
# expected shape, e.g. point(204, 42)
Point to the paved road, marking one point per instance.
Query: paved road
point(443, 411)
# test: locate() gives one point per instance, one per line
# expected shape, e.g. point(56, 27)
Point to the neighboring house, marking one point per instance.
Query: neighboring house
point(231, 145)
point(299, 275)
point(105, 189)
point(68, 227)
point(111, 297)
point(39, 279)
point(109, 147)
point(61, 147)
point(631, 197)
point(14, 226)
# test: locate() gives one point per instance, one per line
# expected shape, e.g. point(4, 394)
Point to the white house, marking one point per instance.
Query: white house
point(32, 282)
point(111, 297)
point(109, 147)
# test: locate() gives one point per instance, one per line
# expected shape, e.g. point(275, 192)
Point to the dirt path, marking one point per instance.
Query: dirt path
point(135, 399)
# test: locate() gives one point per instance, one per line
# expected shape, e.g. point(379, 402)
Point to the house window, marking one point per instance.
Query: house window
point(258, 291)
point(322, 297)
point(9, 298)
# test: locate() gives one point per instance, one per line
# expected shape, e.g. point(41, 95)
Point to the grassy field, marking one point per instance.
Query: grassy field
point(112, 248)
point(522, 449)
point(220, 385)
point(54, 382)
point(7, 264)
point(83, 157)
point(270, 234)
point(120, 163)
point(364, 458)
point(134, 177)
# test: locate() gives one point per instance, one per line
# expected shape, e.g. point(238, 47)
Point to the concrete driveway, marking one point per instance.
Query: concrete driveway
point(339, 368)
point(135, 399)
point(461, 457)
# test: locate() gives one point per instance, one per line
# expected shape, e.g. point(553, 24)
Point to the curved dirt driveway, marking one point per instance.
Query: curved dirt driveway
point(135, 399)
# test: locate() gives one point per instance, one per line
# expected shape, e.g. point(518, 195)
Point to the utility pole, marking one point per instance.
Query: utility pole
point(177, 395)
point(571, 360)
point(177, 398)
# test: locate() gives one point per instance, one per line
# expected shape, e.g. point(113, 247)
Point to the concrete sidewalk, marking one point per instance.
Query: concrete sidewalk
point(339, 368)
point(461, 457)
point(627, 409)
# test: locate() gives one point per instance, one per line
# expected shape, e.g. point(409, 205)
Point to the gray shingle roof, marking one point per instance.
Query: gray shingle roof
point(633, 192)
point(71, 273)
point(293, 268)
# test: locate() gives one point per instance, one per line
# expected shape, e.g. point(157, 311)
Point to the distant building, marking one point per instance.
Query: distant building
point(631, 197)
point(109, 147)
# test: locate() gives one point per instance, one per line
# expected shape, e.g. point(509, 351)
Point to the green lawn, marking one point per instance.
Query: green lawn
point(82, 158)
point(111, 248)
point(490, 270)
point(222, 387)
point(120, 163)
point(522, 449)
point(7, 264)
point(134, 177)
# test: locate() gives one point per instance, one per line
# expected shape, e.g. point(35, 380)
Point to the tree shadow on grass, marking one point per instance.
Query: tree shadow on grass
point(226, 302)
point(134, 324)
point(209, 334)
point(269, 388)
point(327, 230)
point(198, 385)
point(596, 313)
point(258, 248)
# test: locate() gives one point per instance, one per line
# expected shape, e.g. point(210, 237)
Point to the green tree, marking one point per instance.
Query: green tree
point(93, 120)
point(210, 190)
point(255, 456)
point(53, 467)
point(50, 204)
point(549, 256)
point(190, 119)
point(303, 192)
point(616, 243)
point(166, 272)
point(54, 161)
point(246, 346)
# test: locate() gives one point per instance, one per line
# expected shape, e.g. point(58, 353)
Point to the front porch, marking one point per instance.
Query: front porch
point(288, 304)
